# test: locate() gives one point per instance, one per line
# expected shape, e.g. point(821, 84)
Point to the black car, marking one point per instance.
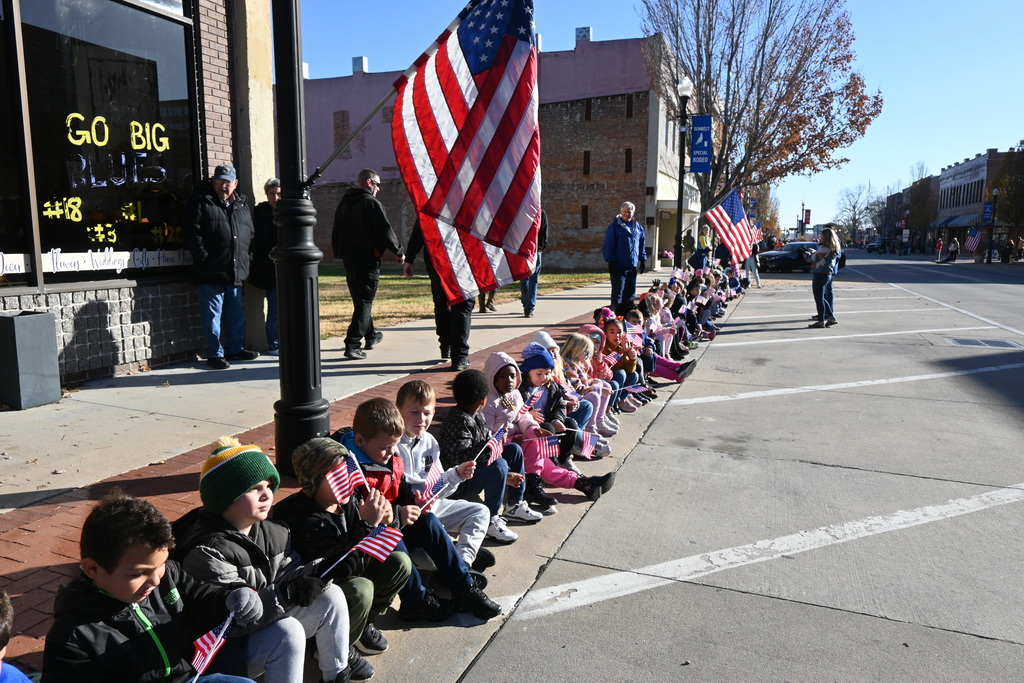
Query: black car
point(787, 258)
point(881, 245)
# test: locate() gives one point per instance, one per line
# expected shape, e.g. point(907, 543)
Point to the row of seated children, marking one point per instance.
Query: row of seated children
point(133, 614)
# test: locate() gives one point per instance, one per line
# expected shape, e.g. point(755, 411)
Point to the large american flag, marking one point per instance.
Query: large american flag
point(731, 225)
point(467, 140)
point(756, 233)
point(344, 478)
point(208, 645)
point(973, 240)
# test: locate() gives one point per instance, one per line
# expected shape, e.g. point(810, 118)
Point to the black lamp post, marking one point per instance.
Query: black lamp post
point(992, 225)
point(684, 90)
point(302, 412)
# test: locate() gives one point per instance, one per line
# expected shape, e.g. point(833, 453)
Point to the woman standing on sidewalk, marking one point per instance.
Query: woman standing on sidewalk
point(823, 266)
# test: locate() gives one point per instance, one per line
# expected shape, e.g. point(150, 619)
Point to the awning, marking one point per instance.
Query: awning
point(962, 221)
point(941, 222)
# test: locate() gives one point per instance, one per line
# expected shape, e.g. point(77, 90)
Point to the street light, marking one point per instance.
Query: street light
point(992, 226)
point(803, 212)
point(684, 90)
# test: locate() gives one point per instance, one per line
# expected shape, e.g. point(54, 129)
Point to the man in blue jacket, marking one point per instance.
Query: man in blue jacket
point(626, 254)
point(219, 232)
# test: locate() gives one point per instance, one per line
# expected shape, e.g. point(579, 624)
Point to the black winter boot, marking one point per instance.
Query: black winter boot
point(593, 487)
point(535, 494)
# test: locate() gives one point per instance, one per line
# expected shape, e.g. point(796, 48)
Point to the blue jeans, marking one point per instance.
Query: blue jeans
point(582, 414)
point(821, 286)
point(528, 288)
point(223, 678)
point(623, 285)
point(428, 533)
point(623, 380)
point(220, 311)
point(271, 324)
point(489, 480)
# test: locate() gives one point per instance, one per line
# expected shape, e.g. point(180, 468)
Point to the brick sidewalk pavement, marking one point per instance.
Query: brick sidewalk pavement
point(39, 543)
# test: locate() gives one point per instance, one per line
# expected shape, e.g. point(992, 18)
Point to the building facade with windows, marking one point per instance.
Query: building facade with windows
point(123, 106)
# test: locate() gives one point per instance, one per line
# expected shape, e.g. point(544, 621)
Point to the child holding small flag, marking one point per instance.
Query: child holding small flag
point(230, 542)
point(325, 519)
point(131, 614)
point(577, 352)
point(538, 389)
point(465, 437)
point(423, 470)
point(624, 367)
point(377, 427)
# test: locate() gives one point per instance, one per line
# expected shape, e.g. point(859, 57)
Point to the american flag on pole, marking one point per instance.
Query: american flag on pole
point(379, 543)
point(494, 445)
point(756, 233)
point(973, 240)
point(208, 645)
point(344, 478)
point(730, 223)
point(434, 480)
point(589, 442)
point(466, 136)
point(548, 446)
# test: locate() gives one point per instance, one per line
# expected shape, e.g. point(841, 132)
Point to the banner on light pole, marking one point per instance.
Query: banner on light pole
point(700, 144)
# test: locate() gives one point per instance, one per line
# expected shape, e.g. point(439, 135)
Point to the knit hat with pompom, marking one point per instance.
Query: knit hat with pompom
point(231, 471)
point(536, 356)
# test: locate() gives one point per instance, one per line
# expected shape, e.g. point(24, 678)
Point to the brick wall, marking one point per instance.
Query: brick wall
point(566, 133)
point(215, 45)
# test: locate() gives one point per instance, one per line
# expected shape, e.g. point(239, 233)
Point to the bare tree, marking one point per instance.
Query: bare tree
point(852, 209)
point(777, 75)
point(1010, 182)
point(918, 171)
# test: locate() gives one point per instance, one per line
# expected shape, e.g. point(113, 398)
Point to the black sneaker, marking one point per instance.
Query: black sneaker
point(359, 668)
point(461, 364)
point(445, 353)
point(378, 337)
point(372, 642)
point(484, 560)
point(593, 487)
point(476, 601)
point(355, 354)
point(535, 493)
point(686, 369)
point(244, 354)
point(431, 608)
point(217, 363)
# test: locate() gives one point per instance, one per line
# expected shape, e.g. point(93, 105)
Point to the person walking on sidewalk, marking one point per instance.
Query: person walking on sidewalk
point(218, 232)
point(954, 250)
point(528, 286)
point(823, 267)
point(624, 250)
point(360, 237)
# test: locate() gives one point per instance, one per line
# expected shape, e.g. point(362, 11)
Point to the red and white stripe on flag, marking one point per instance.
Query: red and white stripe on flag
point(433, 476)
point(548, 447)
point(208, 645)
point(589, 442)
point(465, 127)
point(731, 225)
point(379, 543)
point(344, 478)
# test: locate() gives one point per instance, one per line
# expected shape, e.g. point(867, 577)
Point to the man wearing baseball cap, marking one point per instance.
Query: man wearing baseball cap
point(218, 231)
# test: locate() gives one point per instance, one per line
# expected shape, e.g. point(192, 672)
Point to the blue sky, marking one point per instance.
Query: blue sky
point(949, 73)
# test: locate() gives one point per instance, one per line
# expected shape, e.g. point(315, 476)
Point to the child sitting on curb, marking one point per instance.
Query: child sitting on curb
point(419, 451)
point(463, 437)
point(131, 613)
point(322, 525)
point(376, 430)
point(230, 542)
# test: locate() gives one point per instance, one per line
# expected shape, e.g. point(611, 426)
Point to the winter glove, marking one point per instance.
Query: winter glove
point(246, 604)
point(304, 590)
point(641, 267)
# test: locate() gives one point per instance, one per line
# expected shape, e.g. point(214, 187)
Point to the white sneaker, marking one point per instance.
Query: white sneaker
point(499, 531)
point(602, 449)
point(625, 406)
point(611, 419)
point(522, 512)
point(608, 426)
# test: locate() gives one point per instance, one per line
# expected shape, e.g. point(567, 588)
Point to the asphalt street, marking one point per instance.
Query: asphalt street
point(837, 504)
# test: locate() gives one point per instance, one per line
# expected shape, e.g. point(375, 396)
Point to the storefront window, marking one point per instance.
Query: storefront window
point(113, 137)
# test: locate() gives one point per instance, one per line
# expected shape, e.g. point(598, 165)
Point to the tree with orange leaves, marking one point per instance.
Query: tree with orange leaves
point(778, 76)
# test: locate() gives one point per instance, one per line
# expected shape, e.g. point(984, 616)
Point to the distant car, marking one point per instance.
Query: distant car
point(787, 258)
point(881, 245)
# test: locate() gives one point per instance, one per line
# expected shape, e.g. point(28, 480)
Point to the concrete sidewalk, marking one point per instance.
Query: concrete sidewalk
point(149, 433)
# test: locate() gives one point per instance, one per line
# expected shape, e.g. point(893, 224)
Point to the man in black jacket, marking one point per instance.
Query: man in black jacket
point(360, 237)
point(219, 232)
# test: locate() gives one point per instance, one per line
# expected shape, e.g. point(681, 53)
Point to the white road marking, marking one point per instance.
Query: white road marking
point(544, 602)
point(962, 311)
point(832, 337)
point(844, 385)
point(810, 302)
point(845, 313)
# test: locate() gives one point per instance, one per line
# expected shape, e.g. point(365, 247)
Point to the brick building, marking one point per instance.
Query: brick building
point(123, 106)
point(964, 187)
point(605, 139)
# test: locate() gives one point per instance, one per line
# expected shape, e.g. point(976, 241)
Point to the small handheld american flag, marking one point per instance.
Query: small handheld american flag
point(528, 405)
point(434, 483)
point(208, 645)
point(548, 446)
point(589, 442)
point(379, 543)
point(612, 358)
point(636, 388)
point(344, 478)
point(495, 445)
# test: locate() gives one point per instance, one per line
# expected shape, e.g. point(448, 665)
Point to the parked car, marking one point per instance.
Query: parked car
point(789, 257)
point(882, 245)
